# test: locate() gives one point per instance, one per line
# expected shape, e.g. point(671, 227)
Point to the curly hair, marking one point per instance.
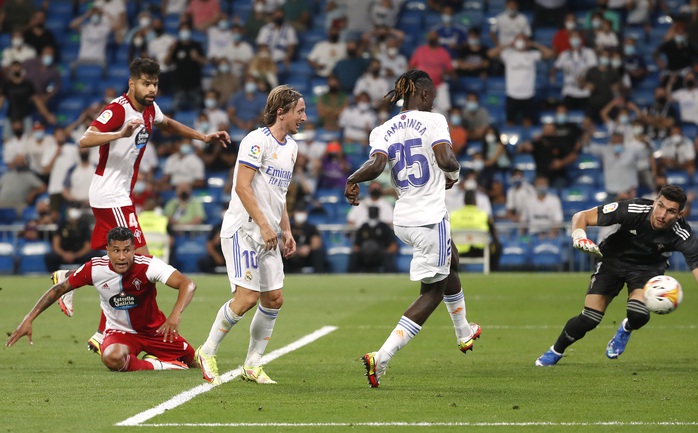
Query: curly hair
point(408, 84)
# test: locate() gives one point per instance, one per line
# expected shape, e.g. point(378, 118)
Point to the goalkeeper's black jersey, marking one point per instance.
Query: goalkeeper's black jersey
point(636, 243)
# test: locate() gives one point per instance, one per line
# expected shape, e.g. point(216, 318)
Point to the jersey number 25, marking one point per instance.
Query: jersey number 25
point(404, 159)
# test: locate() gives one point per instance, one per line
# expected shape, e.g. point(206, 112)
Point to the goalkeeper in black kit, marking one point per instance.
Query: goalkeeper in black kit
point(646, 233)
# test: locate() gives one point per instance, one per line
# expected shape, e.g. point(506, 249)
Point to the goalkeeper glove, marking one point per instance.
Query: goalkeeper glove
point(580, 242)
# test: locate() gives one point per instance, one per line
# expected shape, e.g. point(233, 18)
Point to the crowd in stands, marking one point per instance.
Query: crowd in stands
point(553, 105)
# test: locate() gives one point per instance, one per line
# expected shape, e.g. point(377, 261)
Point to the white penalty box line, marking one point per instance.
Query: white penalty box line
point(179, 399)
point(431, 424)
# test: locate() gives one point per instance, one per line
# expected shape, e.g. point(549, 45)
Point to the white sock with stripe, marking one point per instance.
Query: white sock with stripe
point(405, 330)
point(260, 332)
point(225, 319)
point(455, 305)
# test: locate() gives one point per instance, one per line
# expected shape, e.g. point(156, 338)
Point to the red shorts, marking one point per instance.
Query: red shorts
point(108, 218)
point(178, 350)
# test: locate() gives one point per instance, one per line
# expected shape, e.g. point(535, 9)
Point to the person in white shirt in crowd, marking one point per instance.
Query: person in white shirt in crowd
point(677, 152)
point(372, 83)
point(158, 48)
point(618, 114)
point(16, 144)
point(509, 24)
point(520, 74)
point(238, 52)
point(40, 143)
point(184, 166)
point(94, 28)
point(358, 16)
point(605, 38)
point(224, 82)
point(18, 51)
point(58, 164)
point(456, 195)
point(76, 187)
point(542, 215)
point(280, 37)
point(311, 145)
point(325, 54)
point(519, 194)
point(385, 12)
point(393, 64)
point(687, 98)
point(619, 165)
point(358, 215)
point(358, 119)
point(220, 37)
point(574, 63)
point(143, 24)
point(217, 118)
point(641, 144)
point(116, 11)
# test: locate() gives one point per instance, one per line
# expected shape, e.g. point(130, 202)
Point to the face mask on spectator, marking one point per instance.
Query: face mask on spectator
point(250, 87)
point(490, 138)
point(224, 68)
point(138, 41)
point(95, 19)
point(623, 119)
point(259, 7)
point(363, 106)
point(520, 44)
point(210, 103)
point(237, 37)
point(392, 51)
point(185, 34)
point(139, 187)
point(447, 19)
point(629, 50)
point(144, 22)
point(680, 39)
point(17, 42)
point(617, 148)
point(638, 130)
point(39, 134)
point(203, 126)
point(596, 23)
point(455, 119)
point(300, 217)
point(603, 60)
point(186, 149)
point(561, 117)
point(570, 25)
point(471, 105)
point(47, 59)
point(223, 25)
point(542, 190)
point(478, 165)
point(616, 62)
point(575, 42)
point(474, 41)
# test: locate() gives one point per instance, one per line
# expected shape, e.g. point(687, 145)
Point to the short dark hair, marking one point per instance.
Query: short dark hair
point(119, 234)
point(143, 66)
point(674, 193)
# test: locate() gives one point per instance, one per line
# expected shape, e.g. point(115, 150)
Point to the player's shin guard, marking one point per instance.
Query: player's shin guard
point(261, 329)
point(405, 330)
point(225, 319)
point(577, 327)
point(638, 315)
point(455, 305)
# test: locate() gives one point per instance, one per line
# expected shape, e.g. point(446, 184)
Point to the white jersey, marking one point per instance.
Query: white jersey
point(408, 140)
point(274, 163)
point(117, 169)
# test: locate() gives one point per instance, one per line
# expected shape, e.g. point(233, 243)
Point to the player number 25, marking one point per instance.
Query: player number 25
point(405, 159)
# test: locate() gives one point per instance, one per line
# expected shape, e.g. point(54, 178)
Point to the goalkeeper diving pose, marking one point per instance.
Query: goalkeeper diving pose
point(647, 232)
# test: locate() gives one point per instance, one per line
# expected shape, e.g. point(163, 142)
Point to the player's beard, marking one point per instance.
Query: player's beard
point(143, 101)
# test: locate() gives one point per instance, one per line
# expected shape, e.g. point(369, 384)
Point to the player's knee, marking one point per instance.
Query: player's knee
point(114, 360)
point(638, 314)
point(273, 299)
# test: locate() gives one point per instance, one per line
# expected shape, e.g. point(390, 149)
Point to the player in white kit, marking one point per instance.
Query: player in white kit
point(417, 146)
point(122, 131)
point(252, 224)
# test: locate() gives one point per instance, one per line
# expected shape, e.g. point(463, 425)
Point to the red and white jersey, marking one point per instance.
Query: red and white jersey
point(128, 300)
point(117, 169)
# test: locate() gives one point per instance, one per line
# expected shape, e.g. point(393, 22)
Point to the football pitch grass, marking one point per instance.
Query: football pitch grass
point(56, 385)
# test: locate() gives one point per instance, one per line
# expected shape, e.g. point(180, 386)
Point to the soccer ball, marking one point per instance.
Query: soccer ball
point(663, 294)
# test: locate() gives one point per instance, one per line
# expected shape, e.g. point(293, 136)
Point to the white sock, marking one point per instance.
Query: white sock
point(401, 335)
point(260, 332)
point(225, 319)
point(455, 304)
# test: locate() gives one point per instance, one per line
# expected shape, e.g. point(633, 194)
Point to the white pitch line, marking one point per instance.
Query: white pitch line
point(429, 424)
point(185, 396)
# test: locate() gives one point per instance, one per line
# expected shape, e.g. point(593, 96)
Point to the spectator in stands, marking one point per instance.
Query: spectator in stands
point(335, 167)
point(679, 55)
point(639, 14)
point(677, 152)
point(574, 64)
point(144, 190)
point(217, 118)
point(15, 144)
point(143, 24)
point(158, 48)
point(37, 35)
point(358, 15)
point(311, 145)
point(605, 37)
point(138, 45)
point(436, 61)
point(297, 13)
point(115, 10)
point(246, 106)
point(375, 246)
point(58, 164)
point(476, 118)
point(76, 187)
point(237, 52)
point(520, 58)
point(452, 35)
point(303, 182)
point(549, 13)
point(70, 243)
point(495, 156)
point(639, 143)
point(659, 116)
point(633, 62)
point(602, 81)
point(358, 215)
point(596, 16)
point(519, 194)
point(183, 167)
point(331, 104)
point(385, 13)
point(325, 54)
point(459, 136)
point(618, 114)
point(687, 98)
point(393, 64)
point(471, 217)
point(349, 69)
point(374, 85)
point(39, 144)
point(255, 21)
point(184, 209)
point(220, 37)
point(16, 14)
point(619, 165)
point(205, 126)
point(188, 60)
point(203, 13)
point(19, 187)
point(509, 24)
point(224, 82)
point(561, 39)
point(94, 28)
point(44, 76)
point(263, 68)
point(358, 119)
point(310, 251)
point(471, 58)
point(21, 99)
point(552, 155)
point(374, 42)
point(543, 215)
point(18, 51)
point(565, 128)
point(281, 39)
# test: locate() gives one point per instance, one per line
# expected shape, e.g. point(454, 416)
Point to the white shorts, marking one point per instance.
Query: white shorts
point(431, 256)
point(251, 267)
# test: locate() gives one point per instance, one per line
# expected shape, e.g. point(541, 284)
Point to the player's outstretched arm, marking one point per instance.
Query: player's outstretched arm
point(370, 170)
point(174, 127)
point(94, 137)
point(170, 329)
point(48, 298)
point(580, 221)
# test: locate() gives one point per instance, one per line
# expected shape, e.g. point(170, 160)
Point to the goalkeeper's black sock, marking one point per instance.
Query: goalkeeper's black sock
point(577, 327)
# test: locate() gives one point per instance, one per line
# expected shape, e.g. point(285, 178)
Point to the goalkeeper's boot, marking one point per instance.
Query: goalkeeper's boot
point(65, 301)
point(256, 374)
point(373, 370)
point(466, 345)
point(209, 367)
point(95, 343)
point(549, 358)
point(617, 344)
point(165, 365)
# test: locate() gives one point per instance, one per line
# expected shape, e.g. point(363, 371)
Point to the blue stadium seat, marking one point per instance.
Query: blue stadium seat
point(119, 71)
point(678, 177)
point(7, 258)
point(578, 193)
point(515, 255)
point(470, 18)
point(8, 215)
point(89, 72)
point(72, 103)
point(31, 257)
point(187, 255)
point(524, 162)
point(338, 258)
point(548, 255)
point(186, 117)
